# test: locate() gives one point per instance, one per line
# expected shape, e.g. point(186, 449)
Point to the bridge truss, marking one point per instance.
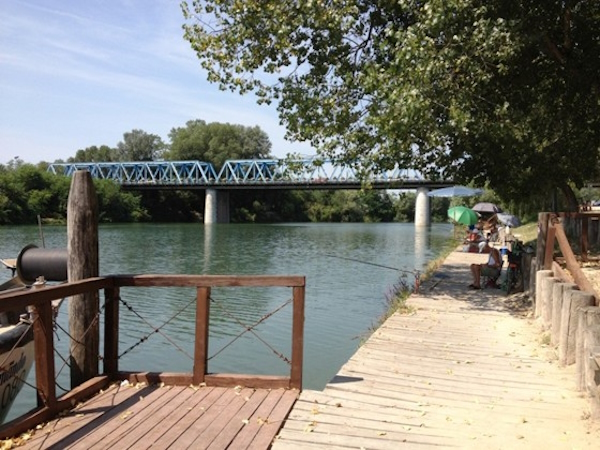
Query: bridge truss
point(245, 174)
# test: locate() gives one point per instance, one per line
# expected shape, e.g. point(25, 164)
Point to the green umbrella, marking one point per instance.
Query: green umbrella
point(464, 215)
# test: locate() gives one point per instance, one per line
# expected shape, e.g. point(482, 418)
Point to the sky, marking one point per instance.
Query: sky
point(78, 73)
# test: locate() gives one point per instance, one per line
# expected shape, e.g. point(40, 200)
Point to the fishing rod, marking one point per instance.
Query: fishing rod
point(416, 273)
point(372, 264)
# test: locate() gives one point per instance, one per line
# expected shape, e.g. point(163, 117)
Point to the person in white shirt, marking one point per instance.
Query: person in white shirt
point(490, 269)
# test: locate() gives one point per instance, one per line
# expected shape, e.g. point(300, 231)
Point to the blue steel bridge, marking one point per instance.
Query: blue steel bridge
point(246, 174)
point(252, 174)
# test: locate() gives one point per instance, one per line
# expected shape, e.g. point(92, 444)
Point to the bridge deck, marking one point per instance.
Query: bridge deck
point(131, 417)
point(464, 371)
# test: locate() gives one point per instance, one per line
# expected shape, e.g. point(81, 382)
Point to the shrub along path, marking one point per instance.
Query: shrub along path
point(464, 370)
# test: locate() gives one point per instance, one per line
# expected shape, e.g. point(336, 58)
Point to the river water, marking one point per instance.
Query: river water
point(346, 290)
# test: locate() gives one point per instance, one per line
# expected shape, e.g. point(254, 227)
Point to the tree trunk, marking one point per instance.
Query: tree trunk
point(572, 203)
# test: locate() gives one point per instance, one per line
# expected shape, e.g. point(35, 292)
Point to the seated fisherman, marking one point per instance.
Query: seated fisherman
point(490, 269)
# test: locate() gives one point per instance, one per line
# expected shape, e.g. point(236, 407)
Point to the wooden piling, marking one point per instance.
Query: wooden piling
point(588, 317)
point(569, 322)
point(539, 301)
point(83, 262)
point(559, 292)
point(546, 300)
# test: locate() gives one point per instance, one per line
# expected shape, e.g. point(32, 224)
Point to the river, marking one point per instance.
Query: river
point(346, 290)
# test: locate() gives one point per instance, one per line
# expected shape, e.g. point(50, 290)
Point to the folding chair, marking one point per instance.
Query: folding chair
point(488, 281)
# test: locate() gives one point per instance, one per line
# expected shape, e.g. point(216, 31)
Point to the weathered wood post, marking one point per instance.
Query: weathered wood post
point(83, 262)
point(547, 296)
point(567, 344)
point(539, 276)
point(559, 292)
point(592, 368)
point(589, 316)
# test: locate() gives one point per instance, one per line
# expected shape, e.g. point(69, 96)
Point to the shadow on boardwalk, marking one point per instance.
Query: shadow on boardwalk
point(465, 370)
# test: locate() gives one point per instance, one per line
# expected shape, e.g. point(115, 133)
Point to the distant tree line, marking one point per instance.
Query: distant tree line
point(28, 191)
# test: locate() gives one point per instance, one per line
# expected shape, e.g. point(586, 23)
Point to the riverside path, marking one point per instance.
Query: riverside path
point(466, 369)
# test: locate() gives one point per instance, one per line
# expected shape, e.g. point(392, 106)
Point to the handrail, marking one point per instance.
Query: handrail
point(556, 232)
point(40, 298)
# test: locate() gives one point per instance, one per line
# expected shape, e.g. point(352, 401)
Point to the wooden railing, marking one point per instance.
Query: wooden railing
point(552, 231)
point(40, 299)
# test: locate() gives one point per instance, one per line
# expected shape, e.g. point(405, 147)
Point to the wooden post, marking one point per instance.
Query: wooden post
point(589, 316)
point(558, 294)
point(539, 276)
point(111, 331)
point(297, 337)
point(541, 239)
point(568, 328)
point(592, 368)
point(83, 262)
point(584, 238)
point(546, 301)
point(549, 254)
point(44, 355)
point(201, 343)
point(572, 263)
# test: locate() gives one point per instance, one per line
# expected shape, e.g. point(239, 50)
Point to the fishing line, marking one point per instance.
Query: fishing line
point(416, 273)
point(373, 264)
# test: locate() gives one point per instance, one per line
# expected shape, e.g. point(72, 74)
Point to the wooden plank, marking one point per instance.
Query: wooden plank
point(240, 420)
point(89, 433)
point(192, 405)
point(215, 380)
point(162, 280)
point(57, 431)
point(269, 430)
point(133, 425)
point(19, 300)
point(219, 426)
point(179, 424)
point(197, 424)
point(245, 437)
point(254, 381)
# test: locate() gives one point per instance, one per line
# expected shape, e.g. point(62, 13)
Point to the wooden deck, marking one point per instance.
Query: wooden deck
point(462, 371)
point(134, 417)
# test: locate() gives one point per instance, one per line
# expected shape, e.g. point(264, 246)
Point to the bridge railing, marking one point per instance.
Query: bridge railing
point(235, 172)
point(144, 172)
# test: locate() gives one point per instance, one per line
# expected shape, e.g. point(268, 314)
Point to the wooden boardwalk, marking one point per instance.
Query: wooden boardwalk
point(140, 417)
point(462, 371)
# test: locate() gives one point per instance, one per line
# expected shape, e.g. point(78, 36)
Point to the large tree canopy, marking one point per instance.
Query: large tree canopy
point(494, 91)
point(137, 145)
point(217, 142)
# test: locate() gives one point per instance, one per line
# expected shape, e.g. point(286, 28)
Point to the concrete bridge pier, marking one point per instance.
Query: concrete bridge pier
point(216, 206)
point(422, 213)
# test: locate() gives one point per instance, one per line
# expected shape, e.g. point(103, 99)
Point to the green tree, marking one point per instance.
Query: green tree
point(492, 91)
point(95, 154)
point(137, 145)
point(218, 142)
